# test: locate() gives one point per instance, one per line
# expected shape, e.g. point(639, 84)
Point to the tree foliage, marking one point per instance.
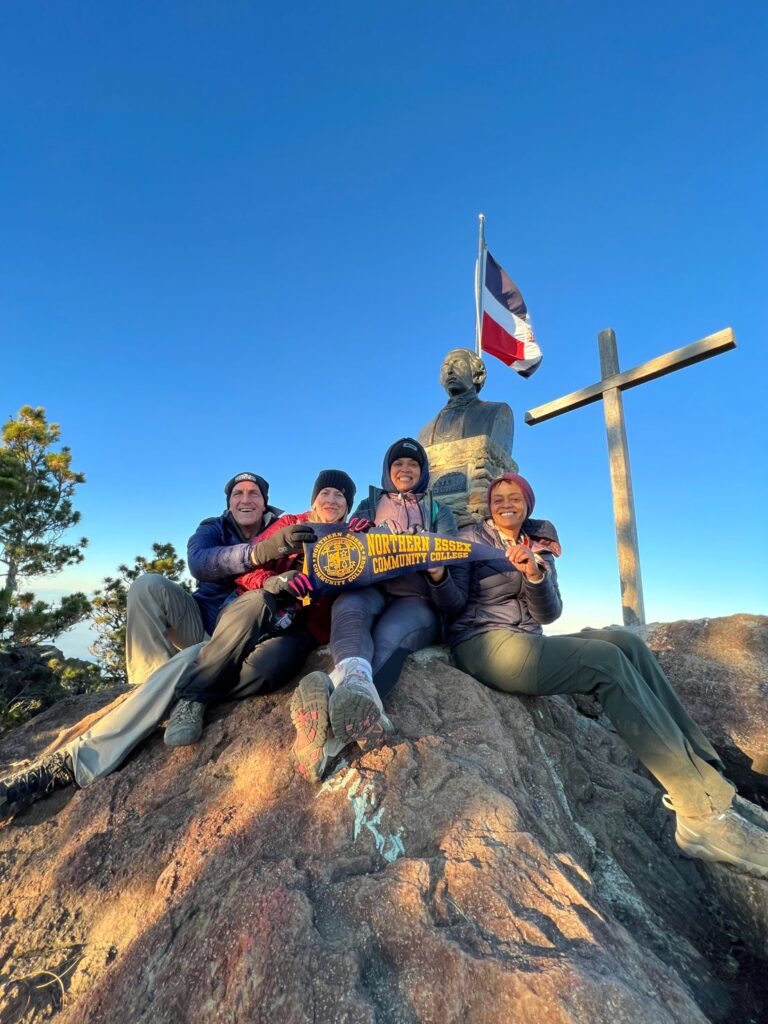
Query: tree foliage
point(110, 604)
point(33, 621)
point(37, 484)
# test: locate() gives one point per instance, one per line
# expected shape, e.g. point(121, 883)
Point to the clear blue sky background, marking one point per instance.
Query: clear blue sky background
point(239, 236)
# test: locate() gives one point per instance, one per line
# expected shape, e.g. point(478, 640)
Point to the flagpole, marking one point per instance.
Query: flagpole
point(479, 277)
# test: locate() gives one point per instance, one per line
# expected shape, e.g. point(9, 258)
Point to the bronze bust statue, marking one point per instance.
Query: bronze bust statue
point(462, 375)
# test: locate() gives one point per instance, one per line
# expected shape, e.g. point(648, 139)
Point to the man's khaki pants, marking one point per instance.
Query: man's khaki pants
point(107, 743)
point(161, 619)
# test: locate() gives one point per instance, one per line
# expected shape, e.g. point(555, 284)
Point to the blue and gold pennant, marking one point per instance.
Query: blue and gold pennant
point(340, 558)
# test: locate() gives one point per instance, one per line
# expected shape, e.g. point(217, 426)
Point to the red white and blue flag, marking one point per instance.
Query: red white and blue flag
point(506, 327)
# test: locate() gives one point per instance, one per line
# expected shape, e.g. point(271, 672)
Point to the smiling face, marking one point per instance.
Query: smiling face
point(508, 509)
point(330, 506)
point(404, 474)
point(246, 504)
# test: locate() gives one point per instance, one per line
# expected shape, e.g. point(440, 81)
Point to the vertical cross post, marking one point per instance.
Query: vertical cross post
point(632, 606)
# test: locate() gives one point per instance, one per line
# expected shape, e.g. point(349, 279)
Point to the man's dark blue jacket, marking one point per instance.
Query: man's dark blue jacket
point(217, 553)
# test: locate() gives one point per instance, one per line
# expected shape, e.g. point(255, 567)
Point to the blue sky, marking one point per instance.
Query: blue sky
point(237, 237)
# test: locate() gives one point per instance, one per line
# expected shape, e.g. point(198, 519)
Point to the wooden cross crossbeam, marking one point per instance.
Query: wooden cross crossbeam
point(712, 345)
point(609, 389)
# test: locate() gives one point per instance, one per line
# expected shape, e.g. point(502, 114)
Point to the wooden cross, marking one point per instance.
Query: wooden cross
point(609, 388)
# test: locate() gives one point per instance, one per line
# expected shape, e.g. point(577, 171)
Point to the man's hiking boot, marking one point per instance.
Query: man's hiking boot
point(723, 836)
point(185, 726)
point(356, 711)
point(309, 714)
point(19, 791)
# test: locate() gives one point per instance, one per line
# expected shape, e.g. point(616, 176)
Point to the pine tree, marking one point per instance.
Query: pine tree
point(110, 603)
point(37, 484)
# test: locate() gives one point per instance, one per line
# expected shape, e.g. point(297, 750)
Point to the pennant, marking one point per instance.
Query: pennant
point(340, 558)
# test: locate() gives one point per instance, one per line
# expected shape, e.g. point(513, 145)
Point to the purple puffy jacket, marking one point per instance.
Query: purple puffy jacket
point(506, 600)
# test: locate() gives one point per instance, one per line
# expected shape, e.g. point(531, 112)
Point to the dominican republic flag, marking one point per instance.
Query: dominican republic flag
point(506, 326)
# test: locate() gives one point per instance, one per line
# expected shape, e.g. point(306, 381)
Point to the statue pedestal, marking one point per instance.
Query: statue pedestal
point(461, 471)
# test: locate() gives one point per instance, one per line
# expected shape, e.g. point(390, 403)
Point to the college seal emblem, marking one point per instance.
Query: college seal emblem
point(338, 558)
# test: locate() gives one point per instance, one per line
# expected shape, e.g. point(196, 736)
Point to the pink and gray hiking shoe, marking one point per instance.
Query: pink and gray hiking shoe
point(356, 712)
point(309, 714)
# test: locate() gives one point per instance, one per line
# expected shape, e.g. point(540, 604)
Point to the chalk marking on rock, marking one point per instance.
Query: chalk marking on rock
point(335, 780)
point(364, 805)
point(360, 804)
point(389, 846)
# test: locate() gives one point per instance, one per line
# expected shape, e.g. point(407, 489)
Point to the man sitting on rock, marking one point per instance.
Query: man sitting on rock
point(162, 617)
point(262, 637)
point(166, 627)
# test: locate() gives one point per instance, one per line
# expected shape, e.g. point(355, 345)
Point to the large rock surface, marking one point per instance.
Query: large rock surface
point(505, 859)
point(720, 668)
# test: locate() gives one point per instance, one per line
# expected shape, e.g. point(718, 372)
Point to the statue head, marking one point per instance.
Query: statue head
point(462, 371)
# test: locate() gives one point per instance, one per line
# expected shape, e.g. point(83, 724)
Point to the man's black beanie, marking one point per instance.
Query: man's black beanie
point(254, 478)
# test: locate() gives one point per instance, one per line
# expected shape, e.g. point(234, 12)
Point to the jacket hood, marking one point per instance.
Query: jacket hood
point(423, 482)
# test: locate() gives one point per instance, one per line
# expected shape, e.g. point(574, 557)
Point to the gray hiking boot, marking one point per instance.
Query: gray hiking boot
point(723, 836)
point(374, 738)
point(18, 791)
point(185, 726)
point(356, 712)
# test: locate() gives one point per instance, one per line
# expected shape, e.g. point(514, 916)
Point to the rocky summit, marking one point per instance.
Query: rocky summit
point(504, 859)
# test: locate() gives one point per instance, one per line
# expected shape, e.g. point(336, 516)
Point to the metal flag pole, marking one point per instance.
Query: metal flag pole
point(479, 279)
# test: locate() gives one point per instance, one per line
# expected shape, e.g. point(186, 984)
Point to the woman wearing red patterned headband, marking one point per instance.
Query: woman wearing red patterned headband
point(498, 639)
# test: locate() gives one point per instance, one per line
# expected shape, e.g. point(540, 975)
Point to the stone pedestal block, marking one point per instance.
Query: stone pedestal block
point(461, 471)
